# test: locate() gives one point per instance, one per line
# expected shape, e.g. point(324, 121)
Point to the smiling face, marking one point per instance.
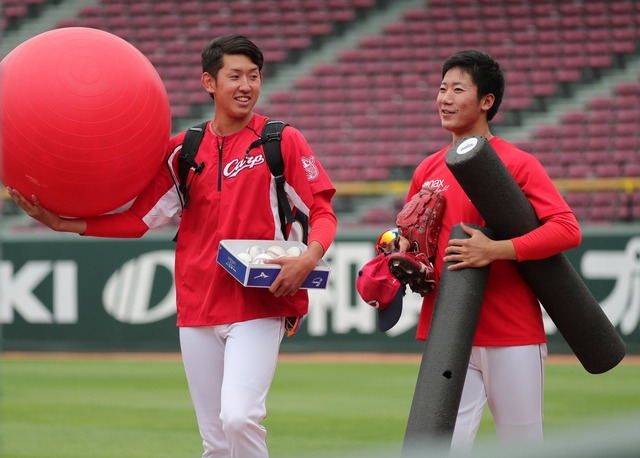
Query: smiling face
point(236, 88)
point(461, 112)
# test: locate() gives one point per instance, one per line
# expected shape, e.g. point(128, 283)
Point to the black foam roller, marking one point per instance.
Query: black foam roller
point(446, 355)
point(507, 211)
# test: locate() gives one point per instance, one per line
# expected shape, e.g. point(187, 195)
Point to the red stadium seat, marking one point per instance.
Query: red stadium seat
point(385, 86)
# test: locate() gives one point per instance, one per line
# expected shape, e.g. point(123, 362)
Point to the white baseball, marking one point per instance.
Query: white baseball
point(246, 257)
point(261, 257)
point(276, 250)
point(255, 250)
point(294, 251)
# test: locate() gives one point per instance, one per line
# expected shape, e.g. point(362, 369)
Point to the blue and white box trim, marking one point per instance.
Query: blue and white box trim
point(263, 275)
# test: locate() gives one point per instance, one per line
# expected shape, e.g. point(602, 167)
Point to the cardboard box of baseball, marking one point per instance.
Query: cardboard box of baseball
point(243, 260)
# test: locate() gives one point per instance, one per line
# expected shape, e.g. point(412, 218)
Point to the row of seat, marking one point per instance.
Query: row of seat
point(386, 86)
point(220, 11)
point(539, 56)
point(16, 10)
point(601, 208)
point(372, 111)
point(171, 33)
point(602, 140)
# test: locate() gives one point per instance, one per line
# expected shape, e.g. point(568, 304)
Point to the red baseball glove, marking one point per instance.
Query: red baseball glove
point(420, 221)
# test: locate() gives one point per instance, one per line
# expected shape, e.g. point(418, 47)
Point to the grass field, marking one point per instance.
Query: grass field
point(139, 407)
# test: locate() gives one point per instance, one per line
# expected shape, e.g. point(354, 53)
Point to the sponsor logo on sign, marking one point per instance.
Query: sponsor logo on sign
point(47, 291)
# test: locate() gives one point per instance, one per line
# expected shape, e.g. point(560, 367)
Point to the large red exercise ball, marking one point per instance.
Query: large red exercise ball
point(85, 121)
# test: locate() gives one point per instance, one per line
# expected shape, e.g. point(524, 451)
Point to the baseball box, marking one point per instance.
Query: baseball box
point(235, 257)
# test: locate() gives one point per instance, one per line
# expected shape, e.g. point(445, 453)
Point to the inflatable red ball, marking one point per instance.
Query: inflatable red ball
point(85, 121)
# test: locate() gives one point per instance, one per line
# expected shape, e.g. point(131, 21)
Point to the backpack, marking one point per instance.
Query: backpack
point(270, 138)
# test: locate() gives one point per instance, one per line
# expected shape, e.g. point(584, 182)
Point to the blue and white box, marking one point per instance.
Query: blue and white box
point(263, 275)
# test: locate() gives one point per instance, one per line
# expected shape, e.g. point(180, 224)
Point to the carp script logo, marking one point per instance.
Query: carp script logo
point(234, 167)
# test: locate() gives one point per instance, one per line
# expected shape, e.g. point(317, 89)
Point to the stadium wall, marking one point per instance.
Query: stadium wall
point(60, 292)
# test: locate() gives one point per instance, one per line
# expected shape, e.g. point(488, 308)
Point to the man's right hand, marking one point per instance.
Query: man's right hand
point(50, 219)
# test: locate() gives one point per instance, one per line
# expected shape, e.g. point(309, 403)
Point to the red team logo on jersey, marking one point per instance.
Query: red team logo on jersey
point(236, 166)
point(310, 167)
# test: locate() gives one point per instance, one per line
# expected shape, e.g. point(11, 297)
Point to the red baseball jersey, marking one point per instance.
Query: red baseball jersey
point(510, 313)
point(234, 197)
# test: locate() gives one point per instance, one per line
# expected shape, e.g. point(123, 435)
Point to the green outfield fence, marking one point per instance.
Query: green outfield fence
point(63, 292)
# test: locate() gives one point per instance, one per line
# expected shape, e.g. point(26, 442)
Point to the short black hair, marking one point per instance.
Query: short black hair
point(485, 73)
point(212, 54)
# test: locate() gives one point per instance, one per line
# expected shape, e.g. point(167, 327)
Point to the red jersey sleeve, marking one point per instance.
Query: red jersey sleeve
point(558, 233)
point(559, 230)
point(323, 223)
point(117, 225)
point(310, 187)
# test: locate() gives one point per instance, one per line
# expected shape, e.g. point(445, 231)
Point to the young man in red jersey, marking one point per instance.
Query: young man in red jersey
point(509, 348)
point(229, 334)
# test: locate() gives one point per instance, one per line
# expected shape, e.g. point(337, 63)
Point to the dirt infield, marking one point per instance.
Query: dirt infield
point(315, 357)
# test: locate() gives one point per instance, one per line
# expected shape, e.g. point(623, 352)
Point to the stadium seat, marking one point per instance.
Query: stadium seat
point(385, 85)
point(608, 170)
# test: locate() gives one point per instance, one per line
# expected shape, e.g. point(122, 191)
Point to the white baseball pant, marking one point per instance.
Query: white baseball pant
point(511, 379)
point(229, 370)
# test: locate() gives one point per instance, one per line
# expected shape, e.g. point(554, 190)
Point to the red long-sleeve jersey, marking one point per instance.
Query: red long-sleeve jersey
point(234, 197)
point(510, 313)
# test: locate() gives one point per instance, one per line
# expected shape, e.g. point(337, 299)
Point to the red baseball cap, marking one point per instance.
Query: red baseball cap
point(379, 288)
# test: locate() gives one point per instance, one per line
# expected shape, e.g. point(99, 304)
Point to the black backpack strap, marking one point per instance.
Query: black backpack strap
point(187, 159)
point(272, 135)
point(270, 139)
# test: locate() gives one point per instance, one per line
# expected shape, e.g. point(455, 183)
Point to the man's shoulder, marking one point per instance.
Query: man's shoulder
point(515, 158)
point(178, 138)
point(176, 141)
point(500, 144)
